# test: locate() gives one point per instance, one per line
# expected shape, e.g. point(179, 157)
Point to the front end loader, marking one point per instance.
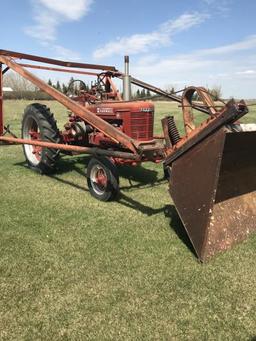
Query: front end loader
point(211, 169)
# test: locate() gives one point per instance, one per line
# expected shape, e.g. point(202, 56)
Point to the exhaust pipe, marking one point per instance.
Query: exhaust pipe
point(126, 80)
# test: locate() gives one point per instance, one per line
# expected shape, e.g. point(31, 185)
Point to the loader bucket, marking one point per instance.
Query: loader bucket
point(213, 186)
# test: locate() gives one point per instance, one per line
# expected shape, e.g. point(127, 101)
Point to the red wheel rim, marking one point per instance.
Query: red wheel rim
point(99, 179)
point(35, 135)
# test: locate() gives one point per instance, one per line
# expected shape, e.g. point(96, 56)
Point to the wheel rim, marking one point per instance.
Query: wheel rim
point(31, 131)
point(99, 179)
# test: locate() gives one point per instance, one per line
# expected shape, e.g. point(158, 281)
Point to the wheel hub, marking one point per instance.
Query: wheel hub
point(36, 150)
point(99, 179)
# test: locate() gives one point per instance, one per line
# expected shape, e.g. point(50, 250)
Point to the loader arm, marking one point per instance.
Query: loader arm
point(161, 92)
point(85, 114)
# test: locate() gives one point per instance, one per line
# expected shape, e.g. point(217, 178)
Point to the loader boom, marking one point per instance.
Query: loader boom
point(211, 169)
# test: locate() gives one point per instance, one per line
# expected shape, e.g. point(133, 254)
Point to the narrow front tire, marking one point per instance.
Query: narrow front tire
point(102, 179)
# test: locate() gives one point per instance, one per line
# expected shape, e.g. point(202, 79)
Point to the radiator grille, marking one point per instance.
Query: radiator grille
point(142, 125)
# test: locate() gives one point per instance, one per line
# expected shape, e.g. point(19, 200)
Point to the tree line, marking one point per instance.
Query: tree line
point(74, 88)
point(23, 89)
point(141, 94)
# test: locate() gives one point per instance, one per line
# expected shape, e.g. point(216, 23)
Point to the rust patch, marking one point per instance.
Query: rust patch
point(213, 186)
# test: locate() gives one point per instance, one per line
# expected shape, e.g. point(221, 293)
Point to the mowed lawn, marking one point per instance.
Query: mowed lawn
point(74, 268)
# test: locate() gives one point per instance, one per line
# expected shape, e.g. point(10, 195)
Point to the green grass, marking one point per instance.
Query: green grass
point(74, 268)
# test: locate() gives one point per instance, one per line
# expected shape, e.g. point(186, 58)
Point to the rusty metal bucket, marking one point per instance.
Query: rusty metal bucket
point(213, 186)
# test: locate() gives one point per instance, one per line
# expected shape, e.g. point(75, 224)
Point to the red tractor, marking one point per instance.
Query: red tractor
point(211, 169)
point(133, 118)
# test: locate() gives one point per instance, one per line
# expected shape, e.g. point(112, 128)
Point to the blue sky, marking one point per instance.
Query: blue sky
point(199, 42)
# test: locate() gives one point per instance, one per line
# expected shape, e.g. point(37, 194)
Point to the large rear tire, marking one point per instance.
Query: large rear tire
point(102, 179)
point(38, 123)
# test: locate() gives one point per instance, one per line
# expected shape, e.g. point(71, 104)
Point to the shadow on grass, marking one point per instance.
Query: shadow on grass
point(77, 164)
point(169, 212)
point(125, 200)
point(146, 178)
point(70, 183)
point(65, 166)
point(177, 226)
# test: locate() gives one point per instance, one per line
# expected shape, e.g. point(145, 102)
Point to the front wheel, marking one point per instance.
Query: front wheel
point(39, 124)
point(102, 179)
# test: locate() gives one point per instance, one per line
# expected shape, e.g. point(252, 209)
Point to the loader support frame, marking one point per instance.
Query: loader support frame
point(1, 102)
point(210, 170)
point(79, 110)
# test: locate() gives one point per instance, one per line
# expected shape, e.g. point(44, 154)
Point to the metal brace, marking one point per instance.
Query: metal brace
point(8, 131)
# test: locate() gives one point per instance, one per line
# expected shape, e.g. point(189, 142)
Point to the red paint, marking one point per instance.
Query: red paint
point(1, 102)
point(37, 150)
point(101, 178)
point(135, 119)
point(110, 126)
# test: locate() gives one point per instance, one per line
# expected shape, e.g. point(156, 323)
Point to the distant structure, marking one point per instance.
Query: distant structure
point(7, 89)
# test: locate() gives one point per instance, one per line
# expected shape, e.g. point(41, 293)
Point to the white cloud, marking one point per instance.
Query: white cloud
point(209, 2)
point(182, 23)
point(220, 7)
point(246, 44)
point(64, 53)
point(45, 28)
point(247, 73)
point(49, 15)
point(224, 65)
point(71, 10)
point(138, 43)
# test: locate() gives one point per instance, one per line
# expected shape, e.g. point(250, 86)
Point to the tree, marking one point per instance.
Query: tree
point(64, 88)
point(49, 82)
point(170, 89)
point(18, 83)
point(71, 87)
point(58, 87)
point(143, 93)
point(138, 93)
point(216, 92)
point(148, 93)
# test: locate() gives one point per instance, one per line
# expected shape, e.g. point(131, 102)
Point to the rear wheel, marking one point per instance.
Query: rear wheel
point(39, 124)
point(102, 179)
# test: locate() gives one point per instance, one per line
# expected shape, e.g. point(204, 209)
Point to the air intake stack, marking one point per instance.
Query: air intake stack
point(126, 80)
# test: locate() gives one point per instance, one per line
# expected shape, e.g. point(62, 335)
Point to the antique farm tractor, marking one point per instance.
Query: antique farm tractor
point(211, 169)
